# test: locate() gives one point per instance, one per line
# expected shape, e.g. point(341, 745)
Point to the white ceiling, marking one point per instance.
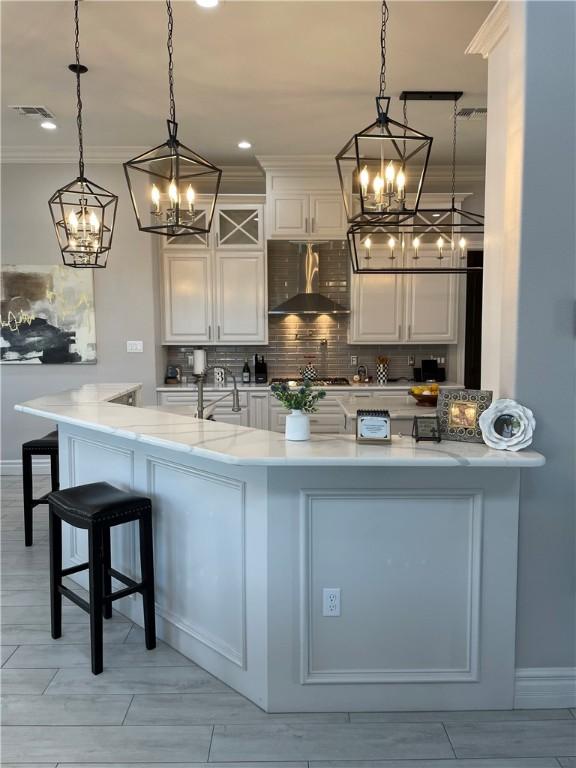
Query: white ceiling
point(292, 77)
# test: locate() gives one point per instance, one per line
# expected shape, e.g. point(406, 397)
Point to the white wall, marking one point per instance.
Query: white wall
point(529, 290)
point(125, 292)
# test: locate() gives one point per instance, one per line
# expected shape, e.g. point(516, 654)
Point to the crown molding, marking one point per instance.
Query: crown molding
point(493, 28)
point(31, 153)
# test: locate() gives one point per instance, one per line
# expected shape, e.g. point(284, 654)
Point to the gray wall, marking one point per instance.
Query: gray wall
point(125, 293)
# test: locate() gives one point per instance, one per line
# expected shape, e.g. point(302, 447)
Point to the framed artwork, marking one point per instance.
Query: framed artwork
point(47, 315)
point(373, 427)
point(459, 413)
point(426, 429)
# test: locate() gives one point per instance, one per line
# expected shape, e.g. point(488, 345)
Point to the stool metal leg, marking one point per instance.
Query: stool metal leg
point(54, 472)
point(28, 493)
point(106, 565)
point(55, 528)
point(147, 567)
point(95, 579)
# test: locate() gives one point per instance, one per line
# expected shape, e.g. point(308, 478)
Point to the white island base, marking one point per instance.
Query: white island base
point(248, 531)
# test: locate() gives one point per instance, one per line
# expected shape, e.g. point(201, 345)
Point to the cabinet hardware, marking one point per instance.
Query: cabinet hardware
point(313, 227)
point(209, 333)
point(218, 333)
point(410, 331)
point(399, 331)
point(306, 225)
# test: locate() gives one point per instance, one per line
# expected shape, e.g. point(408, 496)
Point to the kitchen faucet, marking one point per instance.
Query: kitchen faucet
point(200, 383)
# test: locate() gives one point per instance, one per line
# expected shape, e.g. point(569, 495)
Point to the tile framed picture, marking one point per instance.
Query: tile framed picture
point(459, 411)
point(47, 315)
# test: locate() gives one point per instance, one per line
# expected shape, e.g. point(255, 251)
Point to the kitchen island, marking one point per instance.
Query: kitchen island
point(316, 576)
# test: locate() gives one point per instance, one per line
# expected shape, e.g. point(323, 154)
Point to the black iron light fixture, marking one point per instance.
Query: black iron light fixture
point(173, 188)
point(432, 240)
point(382, 167)
point(83, 212)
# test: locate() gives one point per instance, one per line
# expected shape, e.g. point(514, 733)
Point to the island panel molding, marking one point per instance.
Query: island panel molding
point(330, 521)
point(207, 514)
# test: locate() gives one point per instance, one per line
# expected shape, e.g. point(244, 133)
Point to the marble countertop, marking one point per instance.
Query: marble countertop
point(399, 407)
point(402, 386)
point(90, 407)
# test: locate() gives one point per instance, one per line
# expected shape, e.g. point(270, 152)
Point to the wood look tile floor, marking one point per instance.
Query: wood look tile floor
point(152, 708)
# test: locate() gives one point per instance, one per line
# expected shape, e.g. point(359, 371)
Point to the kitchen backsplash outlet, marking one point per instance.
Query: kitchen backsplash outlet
point(285, 354)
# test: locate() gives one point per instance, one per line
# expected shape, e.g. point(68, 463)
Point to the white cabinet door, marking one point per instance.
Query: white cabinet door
point(239, 227)
point(187, 297)
point(288, 215)
point(200, 240)
point(258, 410)
point(240, 298)
point(431, 305)
point(328, 216)
point(376, 308)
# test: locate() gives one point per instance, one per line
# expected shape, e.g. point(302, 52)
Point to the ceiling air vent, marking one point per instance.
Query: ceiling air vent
point(472, 113)
point(32, 111)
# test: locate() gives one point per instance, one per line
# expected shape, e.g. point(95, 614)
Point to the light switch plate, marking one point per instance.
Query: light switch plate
point(134, 346)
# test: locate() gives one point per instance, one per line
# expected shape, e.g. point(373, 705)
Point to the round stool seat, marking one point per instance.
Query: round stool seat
point(98, 503)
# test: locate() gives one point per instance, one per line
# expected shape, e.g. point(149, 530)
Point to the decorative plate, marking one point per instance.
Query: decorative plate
point(507, 425)
point(459, 411)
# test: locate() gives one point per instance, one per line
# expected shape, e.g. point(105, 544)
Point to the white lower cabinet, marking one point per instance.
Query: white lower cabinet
point(329, 418)
point(258, 410)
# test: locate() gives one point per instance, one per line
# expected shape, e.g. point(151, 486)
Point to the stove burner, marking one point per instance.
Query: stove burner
point(330, 381)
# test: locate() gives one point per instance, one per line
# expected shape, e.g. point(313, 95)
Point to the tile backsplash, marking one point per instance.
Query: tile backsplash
point(285, 354)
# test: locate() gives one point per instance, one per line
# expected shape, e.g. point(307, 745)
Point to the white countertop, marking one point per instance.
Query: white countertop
point(90, 407)
point(398, 407)
point(402, 386)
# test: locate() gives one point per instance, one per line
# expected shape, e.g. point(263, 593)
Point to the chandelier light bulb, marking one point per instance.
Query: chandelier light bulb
point(364, 180)
point(391, 243)
point(73, 222)
point(368, 243)
point(173, 193)
point(156, 197)
point(400, 181)
point(390, 173)
point(94, 223)
point(462, 243)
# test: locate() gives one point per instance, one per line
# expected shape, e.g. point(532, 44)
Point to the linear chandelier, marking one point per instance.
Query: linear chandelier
point(166, 182)
point(381, 168)
point(83, 213)
point(432, 240)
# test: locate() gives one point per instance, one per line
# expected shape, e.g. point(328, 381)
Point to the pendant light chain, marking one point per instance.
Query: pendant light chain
point(385, 14)
point(170, 47)
point(454, 152)
point(78, 94)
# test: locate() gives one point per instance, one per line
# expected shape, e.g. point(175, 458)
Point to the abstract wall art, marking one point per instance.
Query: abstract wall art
point(47, 315)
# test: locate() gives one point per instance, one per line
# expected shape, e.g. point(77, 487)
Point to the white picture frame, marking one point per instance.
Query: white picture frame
point(507, 425)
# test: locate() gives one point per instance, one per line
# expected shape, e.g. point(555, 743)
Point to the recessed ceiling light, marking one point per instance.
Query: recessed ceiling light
point(244, 144)
point(48, 125)
point(207, 3)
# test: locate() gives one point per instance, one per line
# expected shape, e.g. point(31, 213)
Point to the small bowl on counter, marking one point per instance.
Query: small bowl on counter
point(425, 395)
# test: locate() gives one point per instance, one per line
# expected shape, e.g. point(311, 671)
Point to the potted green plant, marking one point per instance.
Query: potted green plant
point(301, 400)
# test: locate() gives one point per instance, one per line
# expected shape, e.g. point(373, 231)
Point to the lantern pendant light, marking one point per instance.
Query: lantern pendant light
point(83, 212)
point(382, 167)
point(173, 188)
point(397, 247)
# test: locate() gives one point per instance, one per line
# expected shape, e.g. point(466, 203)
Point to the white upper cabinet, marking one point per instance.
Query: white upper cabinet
point(327, 214)
point(377, 308)
point(431, 304)
point(201, 240)
point(218, 295)
point(187, 297)
point(239, 227)
point(240, 297)
point(288, 215)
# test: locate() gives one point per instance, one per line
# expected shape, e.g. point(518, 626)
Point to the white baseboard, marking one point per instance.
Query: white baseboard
point(40, 466)
point(545, 688)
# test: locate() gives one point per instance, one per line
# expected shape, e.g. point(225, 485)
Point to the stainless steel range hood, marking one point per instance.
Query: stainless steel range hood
point(309, 300)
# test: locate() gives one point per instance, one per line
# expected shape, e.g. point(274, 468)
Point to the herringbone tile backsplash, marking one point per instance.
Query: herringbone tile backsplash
point(285, 354)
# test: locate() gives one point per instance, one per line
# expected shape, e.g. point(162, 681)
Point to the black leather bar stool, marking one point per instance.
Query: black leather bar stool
point(97, 507)
point(42, 446)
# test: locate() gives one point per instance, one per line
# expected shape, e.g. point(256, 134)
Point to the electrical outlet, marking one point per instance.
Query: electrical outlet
point(331, 601)
point(353, 359)
point(134, 346)
point(411, 360)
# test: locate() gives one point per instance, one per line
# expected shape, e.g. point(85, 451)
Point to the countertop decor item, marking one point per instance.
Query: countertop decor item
point(166, 182)
point(47, 315)
point(382, 369)
point(507, 425)
point(459, 412)
point(426, 395)
point(384, 164)
point(426, 428)
point(302, 401)
point(373, 426)
point(83, 213)
point(309, 372)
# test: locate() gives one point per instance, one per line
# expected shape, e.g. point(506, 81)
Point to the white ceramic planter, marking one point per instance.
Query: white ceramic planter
point(297, 426)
